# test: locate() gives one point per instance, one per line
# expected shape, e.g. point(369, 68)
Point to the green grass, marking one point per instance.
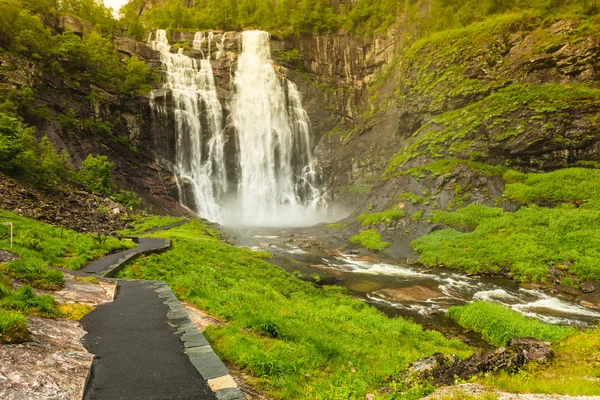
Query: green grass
point(531, 240)
point(579, 186)
point(34, 273)
point(26, 301)
point(296, 340)
point(45, 245)
point(527, 242)
point(371, 239)
point(386, 217)
point(574, 370)
point(40, 246)
point(497, 323)
point(143, 223)
point(13, 327)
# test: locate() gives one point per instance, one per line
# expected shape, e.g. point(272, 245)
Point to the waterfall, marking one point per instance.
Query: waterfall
point(198, 123)
point(277, 182)
point(275, 179)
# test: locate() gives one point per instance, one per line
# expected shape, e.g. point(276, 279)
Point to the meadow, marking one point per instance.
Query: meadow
point(297, 340)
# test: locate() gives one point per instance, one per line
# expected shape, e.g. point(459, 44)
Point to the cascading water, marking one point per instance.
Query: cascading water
point(277, 183)
point(198, 117)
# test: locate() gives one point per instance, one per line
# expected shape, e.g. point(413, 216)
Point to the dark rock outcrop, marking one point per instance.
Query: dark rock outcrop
point(440, 369)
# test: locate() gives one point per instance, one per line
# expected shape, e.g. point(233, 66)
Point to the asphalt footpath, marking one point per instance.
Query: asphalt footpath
point(145, 346)
point(105, 264)
point(137, 353)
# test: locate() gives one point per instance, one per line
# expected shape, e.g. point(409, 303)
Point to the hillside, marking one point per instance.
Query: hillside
point(425, 169)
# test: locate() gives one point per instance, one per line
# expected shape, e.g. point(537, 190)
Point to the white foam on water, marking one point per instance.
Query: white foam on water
point(366, 267)
point(497, 295)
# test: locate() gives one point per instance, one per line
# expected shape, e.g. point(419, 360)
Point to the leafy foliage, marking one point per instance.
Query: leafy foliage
point(497, 324)
point(296, 339)
point(94, 174)
point(22, 156)
point(93, 56)
point(302, 16)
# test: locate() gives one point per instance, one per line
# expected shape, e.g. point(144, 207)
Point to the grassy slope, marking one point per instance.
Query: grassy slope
point(298, 340)
point(40, 245)
point(142, 224)
point(531, 240)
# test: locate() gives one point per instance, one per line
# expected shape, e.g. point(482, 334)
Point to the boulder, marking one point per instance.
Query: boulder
point(442, 369)
point(587, 287)
point(533, 349)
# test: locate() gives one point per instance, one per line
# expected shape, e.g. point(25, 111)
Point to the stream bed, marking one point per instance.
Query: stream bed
point(420, 294)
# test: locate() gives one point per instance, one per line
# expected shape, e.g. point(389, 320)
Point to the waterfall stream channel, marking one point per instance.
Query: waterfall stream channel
point(421, 294)
point(273, 183)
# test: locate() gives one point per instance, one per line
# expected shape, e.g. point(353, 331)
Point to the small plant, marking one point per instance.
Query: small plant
point(13, 327)
point(370, 239)
point(74, 311)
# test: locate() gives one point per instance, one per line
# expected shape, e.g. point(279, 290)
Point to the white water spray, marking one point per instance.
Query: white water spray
point(198, 121)
point(277, 183)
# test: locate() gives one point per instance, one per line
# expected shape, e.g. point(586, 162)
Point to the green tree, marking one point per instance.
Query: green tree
point(95, 174)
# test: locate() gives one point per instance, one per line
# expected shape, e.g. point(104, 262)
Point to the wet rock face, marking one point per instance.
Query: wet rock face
point(442, 369)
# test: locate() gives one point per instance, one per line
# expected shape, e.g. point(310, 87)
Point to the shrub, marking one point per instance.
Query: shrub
point(94, 174)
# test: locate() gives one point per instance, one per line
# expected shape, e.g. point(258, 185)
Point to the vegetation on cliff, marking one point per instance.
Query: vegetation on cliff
point(36, 48)
point(299, 341)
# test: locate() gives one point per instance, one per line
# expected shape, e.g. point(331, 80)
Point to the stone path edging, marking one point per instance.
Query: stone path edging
point(197, 348)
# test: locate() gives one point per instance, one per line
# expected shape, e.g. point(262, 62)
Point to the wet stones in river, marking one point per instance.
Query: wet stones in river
point(411, 293)
point(440, 369)
point(587, 287)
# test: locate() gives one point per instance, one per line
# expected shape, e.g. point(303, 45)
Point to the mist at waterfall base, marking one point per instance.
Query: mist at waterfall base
point(276, 182)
